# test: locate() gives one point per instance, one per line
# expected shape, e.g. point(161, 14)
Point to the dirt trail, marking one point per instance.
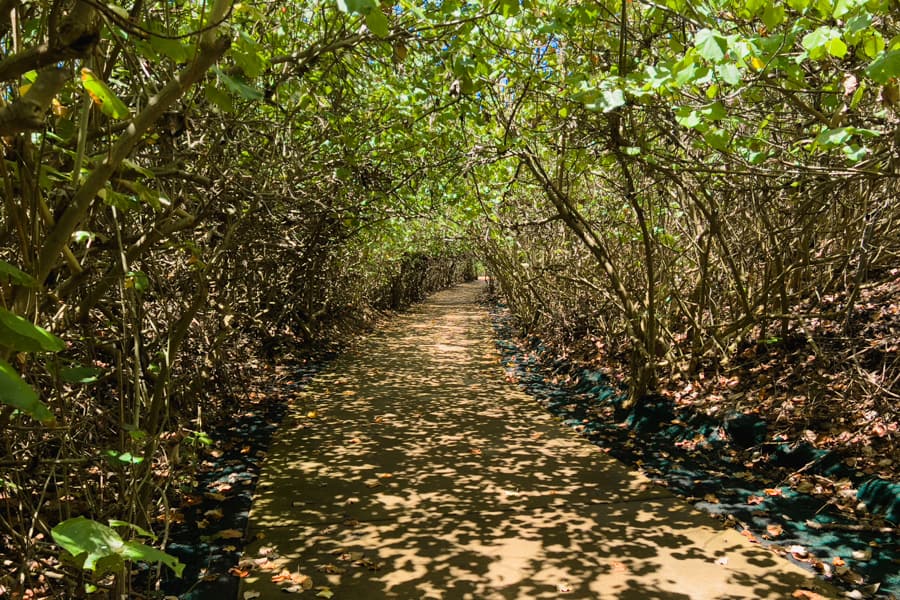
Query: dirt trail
point(412, 469)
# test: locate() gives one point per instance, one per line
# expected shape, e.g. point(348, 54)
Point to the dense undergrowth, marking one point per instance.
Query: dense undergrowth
point(800, 457)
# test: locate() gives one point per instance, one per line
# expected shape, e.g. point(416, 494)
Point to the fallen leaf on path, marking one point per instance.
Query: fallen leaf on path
point(563, 588)
point(774, 529)
point(355, 440)
point(755, 500)
point(350, 556)
point(774, 492)
point(862, 555)
point(619, 567)
point(251, 595)
point(325, 593)
point(281, 577)
point(312, 414)
point(809, 595)
point(749, 535)
point(476, 451)
point(238, 572)
point(332, 569)
point(230, 534)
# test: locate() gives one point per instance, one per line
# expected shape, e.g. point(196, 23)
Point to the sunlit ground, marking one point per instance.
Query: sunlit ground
point(412, 469)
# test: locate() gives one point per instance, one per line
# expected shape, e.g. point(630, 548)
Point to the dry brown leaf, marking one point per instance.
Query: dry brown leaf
point(230, 534)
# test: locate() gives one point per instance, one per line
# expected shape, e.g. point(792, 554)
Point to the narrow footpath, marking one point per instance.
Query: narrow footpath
point(412, 469)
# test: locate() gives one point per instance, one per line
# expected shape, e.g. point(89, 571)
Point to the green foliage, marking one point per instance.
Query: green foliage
point(102, 96)
point(14, 275)
point(21, 335)
point(885, 67)
point(99, 549)
point(18, 394)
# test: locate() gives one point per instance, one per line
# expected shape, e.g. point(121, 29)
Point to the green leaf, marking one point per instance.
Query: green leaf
point(135, 528)
point(855, 153)
point(238, 87)
point(821, 41)
point(717, 138)
point(22, 335)
point(836, 48)
point(610, 98)
point(711, 45)
point(219, 98)
point(137, 280)
point(831, 138)
point(729, 73)
point(509, 8)
point(773, 15)
point(102, 96)
point(873, 44)
point(100, 549)
point(714, 112)
point(377, 23)
point(356, 6)
point(124, 457)
point(18, 394)
point(170, 48)
point(686, 117)
point(885, 67)
point(80, 374)
point(14, 275)
point(142, 552)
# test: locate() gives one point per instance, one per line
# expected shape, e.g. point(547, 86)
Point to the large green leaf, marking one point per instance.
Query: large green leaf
point(80, 374)
point(15, 275)
point(22, 335)
point(356, 6)
point(711, 45)
point(378, 23)
point(15, 392)
point(238, 87)
point(824, 41)
point(100, 549)
point(103, 96)
point(885, 67)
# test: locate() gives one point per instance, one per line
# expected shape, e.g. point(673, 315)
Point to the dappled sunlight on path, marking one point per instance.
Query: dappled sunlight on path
point(412, 469)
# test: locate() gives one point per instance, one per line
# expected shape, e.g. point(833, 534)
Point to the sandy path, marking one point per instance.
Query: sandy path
point(411, 469)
